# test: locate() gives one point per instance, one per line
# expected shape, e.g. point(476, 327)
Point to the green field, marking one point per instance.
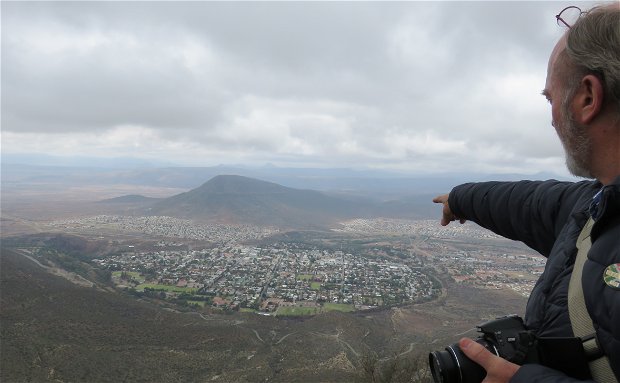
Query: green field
point(199, 303)
point(315, 285)
point(304, 277)
point(338, 307)
point(168, 288)
point(297, 311)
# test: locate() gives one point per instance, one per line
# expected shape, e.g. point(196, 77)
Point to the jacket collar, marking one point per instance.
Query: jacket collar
point(607, 198)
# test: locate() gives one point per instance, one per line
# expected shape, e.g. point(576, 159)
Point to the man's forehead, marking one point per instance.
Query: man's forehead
point(555, 53)
point(558, 48)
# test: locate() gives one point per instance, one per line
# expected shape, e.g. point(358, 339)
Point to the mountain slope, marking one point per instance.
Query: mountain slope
point(237, 199)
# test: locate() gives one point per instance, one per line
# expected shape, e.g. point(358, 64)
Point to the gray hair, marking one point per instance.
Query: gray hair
point(593, 46)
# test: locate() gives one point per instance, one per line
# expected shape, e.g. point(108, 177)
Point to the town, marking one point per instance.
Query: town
point(269, 278)
point(161, 226)
point(398, 263)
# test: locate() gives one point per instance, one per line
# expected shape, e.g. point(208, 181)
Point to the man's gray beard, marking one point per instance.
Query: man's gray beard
point(576, 168)
point(577, 146)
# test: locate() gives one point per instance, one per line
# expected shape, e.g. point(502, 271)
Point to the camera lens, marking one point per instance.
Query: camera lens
point(452, 366)
point(443, 367)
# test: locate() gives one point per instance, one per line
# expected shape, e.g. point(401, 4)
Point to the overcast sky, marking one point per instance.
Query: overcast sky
point(416, 86)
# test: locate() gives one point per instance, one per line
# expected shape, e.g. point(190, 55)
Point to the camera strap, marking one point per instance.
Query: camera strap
point(564, 354)
point(580, 319)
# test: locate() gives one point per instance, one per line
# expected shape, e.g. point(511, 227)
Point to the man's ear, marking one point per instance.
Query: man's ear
point(588, 101)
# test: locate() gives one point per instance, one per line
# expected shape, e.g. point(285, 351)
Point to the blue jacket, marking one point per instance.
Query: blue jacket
point(548, 217)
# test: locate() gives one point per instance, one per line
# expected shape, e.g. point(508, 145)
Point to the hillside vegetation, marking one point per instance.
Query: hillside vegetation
point(54, 330)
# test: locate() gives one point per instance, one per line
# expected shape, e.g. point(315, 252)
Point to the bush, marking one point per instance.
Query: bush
point(397, 369)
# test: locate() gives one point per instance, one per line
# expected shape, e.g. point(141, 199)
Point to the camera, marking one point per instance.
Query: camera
point(505, 337)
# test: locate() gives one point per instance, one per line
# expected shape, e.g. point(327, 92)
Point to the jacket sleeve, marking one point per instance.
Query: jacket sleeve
point(535, 373)
point(532, 212)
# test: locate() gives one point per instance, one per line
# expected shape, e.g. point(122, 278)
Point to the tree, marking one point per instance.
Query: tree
point(399, 368)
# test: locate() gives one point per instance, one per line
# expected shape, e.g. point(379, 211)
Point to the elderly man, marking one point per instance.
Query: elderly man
point(575, 225)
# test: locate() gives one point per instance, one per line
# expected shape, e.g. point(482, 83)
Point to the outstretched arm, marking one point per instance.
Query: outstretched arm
point(533, 212)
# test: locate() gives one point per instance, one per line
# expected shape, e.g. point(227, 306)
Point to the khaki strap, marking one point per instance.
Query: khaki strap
point(579, 317)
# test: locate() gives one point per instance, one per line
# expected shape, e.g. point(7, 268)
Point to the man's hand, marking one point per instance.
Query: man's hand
point(499, 370)
point(447, 215)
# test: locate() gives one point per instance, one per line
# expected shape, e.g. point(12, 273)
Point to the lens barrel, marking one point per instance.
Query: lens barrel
point(452, 366)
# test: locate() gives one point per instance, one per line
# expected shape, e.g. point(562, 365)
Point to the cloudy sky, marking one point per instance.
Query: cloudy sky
point(416, 86)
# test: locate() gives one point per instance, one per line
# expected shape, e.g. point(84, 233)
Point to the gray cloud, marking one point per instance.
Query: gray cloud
point(425, 86)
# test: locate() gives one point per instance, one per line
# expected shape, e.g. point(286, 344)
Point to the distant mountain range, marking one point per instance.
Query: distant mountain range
point(373, 183)
point(288, 197)
point(236, 199)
